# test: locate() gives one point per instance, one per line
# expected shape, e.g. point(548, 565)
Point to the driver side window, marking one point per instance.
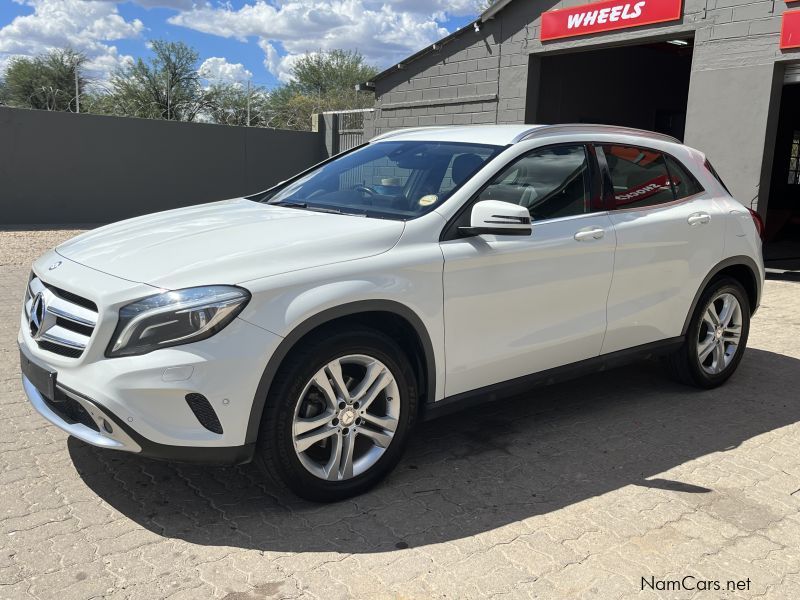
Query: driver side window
point(550, 182)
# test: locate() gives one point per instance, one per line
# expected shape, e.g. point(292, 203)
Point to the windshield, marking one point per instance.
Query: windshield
point(392, 179)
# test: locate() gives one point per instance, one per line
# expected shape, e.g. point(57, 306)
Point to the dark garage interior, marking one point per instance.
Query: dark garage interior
point(644, 86)
point(782, 243)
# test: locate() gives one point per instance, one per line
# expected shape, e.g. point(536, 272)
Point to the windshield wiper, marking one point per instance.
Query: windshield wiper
point(289, 204)
point(317, 208)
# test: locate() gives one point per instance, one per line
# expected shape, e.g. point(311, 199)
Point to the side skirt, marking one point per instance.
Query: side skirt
point(513, 387)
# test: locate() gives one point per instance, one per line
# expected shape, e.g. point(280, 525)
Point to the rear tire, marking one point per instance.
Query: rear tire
point(360, 431)
point(717, 336)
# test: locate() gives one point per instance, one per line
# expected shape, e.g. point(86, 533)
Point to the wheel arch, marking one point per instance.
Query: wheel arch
point(742, 268)
point(393, 318)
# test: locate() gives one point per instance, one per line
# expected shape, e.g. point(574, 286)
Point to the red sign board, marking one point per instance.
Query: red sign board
point(790, 30)
point(607, 15)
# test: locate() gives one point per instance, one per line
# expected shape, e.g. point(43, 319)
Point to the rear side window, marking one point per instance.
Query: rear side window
point(713, 171)
point(683, 181)
point(639, 176)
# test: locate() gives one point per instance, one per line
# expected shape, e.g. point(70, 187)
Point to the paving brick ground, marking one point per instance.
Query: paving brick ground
point(576, 491)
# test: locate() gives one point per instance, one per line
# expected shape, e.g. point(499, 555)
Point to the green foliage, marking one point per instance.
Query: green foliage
point(165, 87)
point(326, 73)
point(45, 82)
point(230, 104)
point(168, 86)
point(320, 81)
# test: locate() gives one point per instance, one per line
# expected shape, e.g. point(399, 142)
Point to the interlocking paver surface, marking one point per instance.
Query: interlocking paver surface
point(579, 490)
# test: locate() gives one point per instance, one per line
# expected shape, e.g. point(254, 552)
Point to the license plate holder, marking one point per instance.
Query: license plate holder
point(42, 379)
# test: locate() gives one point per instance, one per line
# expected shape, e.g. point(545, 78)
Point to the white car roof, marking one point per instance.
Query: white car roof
point(503, 135)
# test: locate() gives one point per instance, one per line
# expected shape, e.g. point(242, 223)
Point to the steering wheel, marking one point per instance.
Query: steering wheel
point(365, 189)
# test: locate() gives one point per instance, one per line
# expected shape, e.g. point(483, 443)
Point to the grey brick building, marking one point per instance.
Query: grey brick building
point(715, 76)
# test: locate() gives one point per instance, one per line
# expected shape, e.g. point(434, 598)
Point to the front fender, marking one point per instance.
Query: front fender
point(293, 305)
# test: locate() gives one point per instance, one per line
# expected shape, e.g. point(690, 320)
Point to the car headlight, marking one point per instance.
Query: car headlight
point(175, 318)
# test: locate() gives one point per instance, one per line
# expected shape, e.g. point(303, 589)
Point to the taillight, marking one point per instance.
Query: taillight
point(758, 222)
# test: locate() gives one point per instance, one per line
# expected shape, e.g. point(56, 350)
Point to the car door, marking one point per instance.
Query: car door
point(670, 234)
point(519, 305)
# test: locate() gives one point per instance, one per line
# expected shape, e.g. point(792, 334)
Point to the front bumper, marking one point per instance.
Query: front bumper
point(143, 399)
point(84, 419)
point(104, 430)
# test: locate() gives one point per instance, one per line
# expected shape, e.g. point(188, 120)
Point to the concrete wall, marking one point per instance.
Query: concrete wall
point(476, 78)
point(484, 77)
point(66, 168)
point(729, 119)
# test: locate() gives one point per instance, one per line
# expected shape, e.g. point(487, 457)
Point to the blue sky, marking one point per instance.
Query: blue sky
point(237, 40)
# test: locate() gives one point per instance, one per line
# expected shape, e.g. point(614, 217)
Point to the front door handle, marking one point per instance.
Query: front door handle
point(699, 219)
point(588, 235)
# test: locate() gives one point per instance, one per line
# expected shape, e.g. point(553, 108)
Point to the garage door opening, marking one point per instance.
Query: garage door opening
point(643, 86)
point(782, 240)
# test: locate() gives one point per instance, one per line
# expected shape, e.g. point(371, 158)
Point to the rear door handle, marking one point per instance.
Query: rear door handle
point(699, 219)
point(588, 235)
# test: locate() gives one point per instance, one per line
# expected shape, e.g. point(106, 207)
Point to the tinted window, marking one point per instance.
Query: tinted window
point(394, 179)
point(639, 176)
point(713, 171)
point(682, 180)
point(550, 183)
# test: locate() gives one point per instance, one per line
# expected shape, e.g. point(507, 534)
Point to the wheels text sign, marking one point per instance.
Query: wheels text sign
point(607, 15)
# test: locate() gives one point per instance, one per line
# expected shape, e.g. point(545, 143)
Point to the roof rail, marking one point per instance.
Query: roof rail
point(595, 128)
point(527, 133)
point(401, 131)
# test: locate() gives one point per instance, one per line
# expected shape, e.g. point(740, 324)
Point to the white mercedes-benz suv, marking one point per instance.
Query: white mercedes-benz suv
point(311, 325)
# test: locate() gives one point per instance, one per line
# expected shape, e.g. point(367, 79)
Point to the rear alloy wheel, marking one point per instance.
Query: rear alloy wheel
point(719, 334)
point(716, 338)
point(338, 414)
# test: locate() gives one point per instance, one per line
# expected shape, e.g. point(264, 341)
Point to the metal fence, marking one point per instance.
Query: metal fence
point(349, 127)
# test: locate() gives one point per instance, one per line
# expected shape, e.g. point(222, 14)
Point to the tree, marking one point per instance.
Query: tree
point(45, 82)
point(165, 87)
point(231, 103)
point(323, 73)
point(320, 81)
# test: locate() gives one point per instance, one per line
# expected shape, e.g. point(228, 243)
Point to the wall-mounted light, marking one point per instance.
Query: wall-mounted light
point(477, 27)
point(678, 42)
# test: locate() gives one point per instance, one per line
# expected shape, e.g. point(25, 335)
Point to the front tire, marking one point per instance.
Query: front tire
point(716, 338)
point(338, 414)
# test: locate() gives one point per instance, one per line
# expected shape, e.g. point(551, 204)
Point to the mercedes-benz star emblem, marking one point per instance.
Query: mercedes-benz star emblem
point(37, 314)
point(40, 319)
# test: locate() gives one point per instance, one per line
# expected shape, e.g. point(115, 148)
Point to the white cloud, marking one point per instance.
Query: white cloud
point(384, 32)
point(79, 24)
point(279, 65)
point(218, 69)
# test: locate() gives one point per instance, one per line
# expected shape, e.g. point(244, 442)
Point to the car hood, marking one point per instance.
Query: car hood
point(227, 242)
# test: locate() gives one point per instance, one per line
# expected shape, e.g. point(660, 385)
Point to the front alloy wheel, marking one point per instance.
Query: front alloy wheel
point(338, 413)
point(346, 417)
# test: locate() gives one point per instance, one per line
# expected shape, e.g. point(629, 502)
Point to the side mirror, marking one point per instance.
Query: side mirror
point(498, 218)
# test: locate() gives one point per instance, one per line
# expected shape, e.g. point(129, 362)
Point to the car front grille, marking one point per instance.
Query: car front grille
point(60, 322)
